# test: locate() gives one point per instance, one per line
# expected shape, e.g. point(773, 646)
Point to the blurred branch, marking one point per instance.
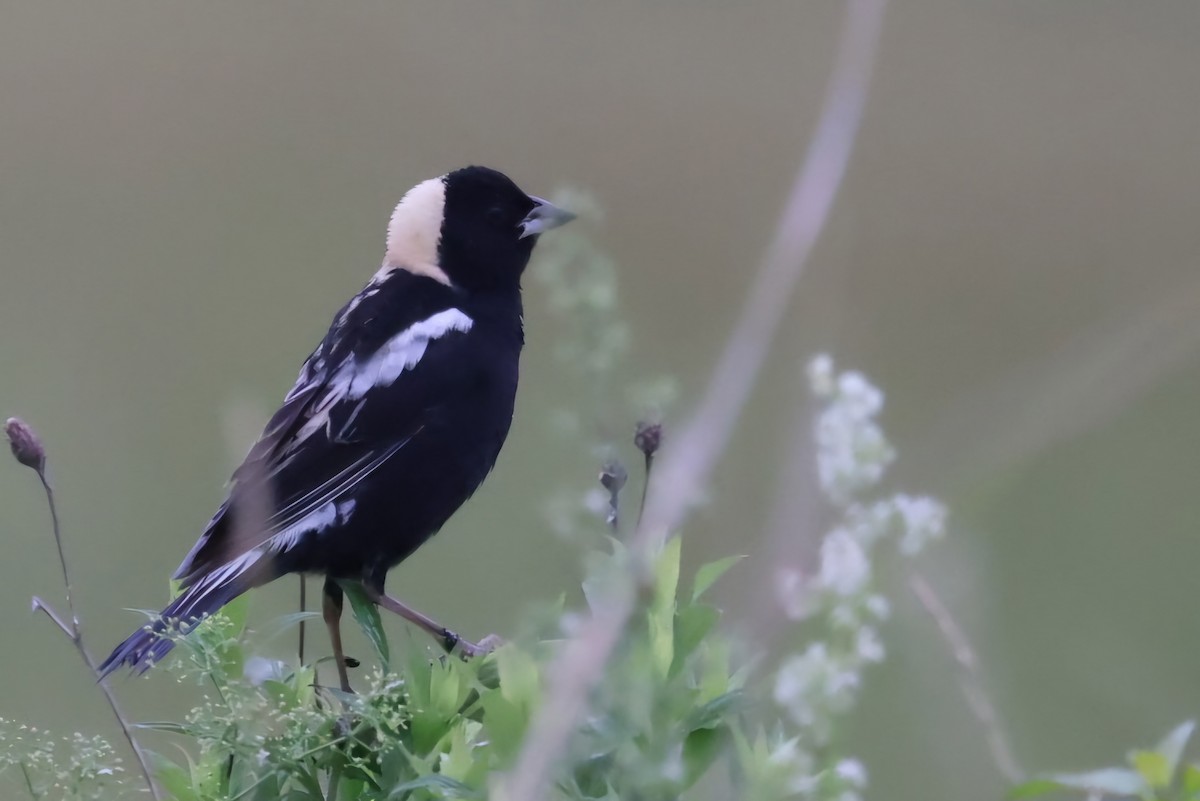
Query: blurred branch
point(971, 681)
point(793, 534)
point(687, 463)
point(28, 450)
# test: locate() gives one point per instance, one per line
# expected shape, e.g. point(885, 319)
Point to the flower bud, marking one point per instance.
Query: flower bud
point(25, 443)
point(647, 437)
point(613, 476)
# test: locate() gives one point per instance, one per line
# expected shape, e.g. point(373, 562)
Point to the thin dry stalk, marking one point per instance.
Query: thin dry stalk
point(686, 465)
point(22, 438)
point(970, 679)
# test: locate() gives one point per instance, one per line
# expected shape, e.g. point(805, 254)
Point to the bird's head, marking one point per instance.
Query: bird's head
point(472, 228)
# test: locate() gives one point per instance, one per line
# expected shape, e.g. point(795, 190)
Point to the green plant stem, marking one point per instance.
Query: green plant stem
point(645, 487)
point(303, 608)
point(335, 778)
point(970, 680)
point(28, 782)
point(74, 632)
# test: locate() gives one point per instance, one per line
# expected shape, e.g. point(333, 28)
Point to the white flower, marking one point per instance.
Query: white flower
point(868, 646)
point(878, 607)
point(795, 596)
point(796, 762)
point(923, 518)
point(852, 772)
point(259, 669)
point(859, 396)
point(852, 453)
point(814, 687)
point(845, 569)
point(820, 375)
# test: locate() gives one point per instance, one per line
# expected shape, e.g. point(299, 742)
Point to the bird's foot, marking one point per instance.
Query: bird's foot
point(467, 649)
point(349, 662)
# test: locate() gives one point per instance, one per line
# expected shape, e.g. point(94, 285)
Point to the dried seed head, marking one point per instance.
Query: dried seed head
point(648, 437)
point(613, 476)
point(25, 443)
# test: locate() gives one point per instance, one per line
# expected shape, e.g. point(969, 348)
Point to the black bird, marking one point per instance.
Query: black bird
point(395, 420)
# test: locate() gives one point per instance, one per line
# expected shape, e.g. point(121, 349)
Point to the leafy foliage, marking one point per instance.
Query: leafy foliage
point(440, 727)
point(679, 703)
point(1157, 774)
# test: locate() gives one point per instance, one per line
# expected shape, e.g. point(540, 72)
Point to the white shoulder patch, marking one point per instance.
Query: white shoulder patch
point(403, 352)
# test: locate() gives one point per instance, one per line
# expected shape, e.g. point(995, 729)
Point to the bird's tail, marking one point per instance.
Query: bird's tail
point(147, 646)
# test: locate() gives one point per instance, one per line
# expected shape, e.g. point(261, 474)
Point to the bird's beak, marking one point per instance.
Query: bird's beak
point(545, 216)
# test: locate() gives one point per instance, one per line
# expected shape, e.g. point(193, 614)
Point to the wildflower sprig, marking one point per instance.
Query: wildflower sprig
point(818, 686)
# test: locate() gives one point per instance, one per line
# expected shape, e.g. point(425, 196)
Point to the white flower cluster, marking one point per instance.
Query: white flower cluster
point(819, 686)
point(75, 767)
point(852, 453)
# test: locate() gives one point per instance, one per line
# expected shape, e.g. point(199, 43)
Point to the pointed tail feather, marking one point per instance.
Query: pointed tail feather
point(147, 646)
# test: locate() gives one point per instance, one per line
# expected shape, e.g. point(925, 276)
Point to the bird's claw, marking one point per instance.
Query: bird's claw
point(469, 650)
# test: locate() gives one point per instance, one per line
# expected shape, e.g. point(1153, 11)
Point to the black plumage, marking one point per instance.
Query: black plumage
point(395, 420)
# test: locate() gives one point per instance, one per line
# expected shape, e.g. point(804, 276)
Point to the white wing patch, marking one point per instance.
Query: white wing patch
point(225, 573)
point(354, 377)
point(400, 353)
point(314, 522)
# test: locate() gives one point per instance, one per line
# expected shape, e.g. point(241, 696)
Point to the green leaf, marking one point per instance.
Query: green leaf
point(283, 623)
point(1110, 781)
point(444, 785)
point(707, 575)
point(265, 790)
point(692, 625)
point(1033, 788)
point(237, 612)
point(662, 641)
point(174, 779)
point(505, 723)
point(210, 776)
point(367, 615)
point(700, 749)
point(446, 688)
point(715, 680)
point(1191, 782)
point(164, 725)
point(1173, 745)
point(1152, 766)
point(519, 680)
point(714, 712)
point(666, 573)
point(661, 615)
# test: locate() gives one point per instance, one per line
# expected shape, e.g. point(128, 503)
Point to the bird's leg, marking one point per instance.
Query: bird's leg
point(331, 610)
point(303, 608)
point(445, 637)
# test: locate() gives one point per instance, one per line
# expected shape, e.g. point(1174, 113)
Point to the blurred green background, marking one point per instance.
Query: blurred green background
point(189, 191)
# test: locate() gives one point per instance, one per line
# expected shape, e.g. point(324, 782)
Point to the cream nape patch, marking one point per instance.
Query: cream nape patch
point(414, 231)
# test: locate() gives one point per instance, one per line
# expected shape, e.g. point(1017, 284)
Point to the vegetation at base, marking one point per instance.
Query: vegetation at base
point(681, 702)
point(688, 707)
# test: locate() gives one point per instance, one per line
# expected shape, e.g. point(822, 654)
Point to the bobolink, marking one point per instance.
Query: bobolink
point(395, 420)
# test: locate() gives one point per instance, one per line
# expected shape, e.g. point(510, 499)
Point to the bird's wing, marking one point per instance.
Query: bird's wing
point(329, 435)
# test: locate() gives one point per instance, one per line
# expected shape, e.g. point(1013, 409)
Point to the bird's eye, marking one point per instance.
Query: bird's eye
point(495, 215)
